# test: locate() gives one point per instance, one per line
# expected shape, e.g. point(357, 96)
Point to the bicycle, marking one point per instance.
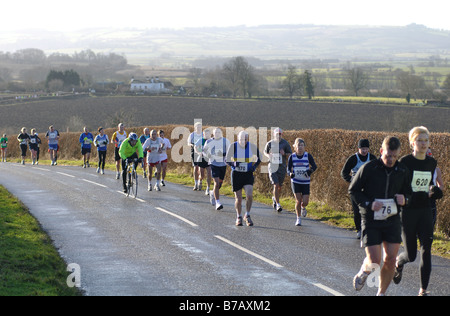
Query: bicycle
point(132, 177)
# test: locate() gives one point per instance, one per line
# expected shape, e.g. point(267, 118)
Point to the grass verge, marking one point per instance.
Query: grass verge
point(29, 263)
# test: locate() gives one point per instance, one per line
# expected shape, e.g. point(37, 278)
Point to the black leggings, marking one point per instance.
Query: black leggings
point(101, 159)
point(418, 223)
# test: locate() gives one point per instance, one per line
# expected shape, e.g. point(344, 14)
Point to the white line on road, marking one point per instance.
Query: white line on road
point(92, 182)
point(327, 289)
point(65, 174)
point(249, 252)
point(177, 216)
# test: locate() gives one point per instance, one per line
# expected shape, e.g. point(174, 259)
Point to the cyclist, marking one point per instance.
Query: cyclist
point(131, 148)
point(4, 146)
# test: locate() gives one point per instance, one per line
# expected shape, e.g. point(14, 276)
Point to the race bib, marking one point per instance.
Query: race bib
point(33, 140)
point(277, 158)
point(300, 173)
point(242, 168)
point(389, 209)
point(421, 181)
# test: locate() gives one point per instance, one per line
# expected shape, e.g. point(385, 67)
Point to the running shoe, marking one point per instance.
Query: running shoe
point(398, 274)
point(360, 280)
point(304, 212)
point(212, 200)
point(219, 206)
point(163, 184)
point(149, 187)
point(298, 222)
point(248, 220)
point(274, 203)
point(98, 170)
point(424, 293)
point(239, 221)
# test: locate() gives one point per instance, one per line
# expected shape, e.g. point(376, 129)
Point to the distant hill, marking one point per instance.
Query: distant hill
point(264, 42)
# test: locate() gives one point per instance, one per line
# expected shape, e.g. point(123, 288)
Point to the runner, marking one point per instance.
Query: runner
point(23, 139)
point(300, 167)
point(101, 141)
point(417, 219)
point(130, 148)
point(52, 137)
point(154, 146)
point(202, 162)
point(117, 138)
point(278, 151)
point(34, 146)
point(215, 150)
point(244, 158)
point(352, 165)
point(4, 147)
point(86, 140)
point(164, 157)
point(379, 188)
point(142, 139)
point(192, 140)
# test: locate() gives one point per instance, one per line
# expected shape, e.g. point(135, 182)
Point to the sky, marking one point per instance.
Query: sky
point(82, 14)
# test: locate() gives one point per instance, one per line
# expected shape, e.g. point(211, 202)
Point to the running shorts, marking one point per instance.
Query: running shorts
point(218, 172)
point(241, 179)
point(278, 176)
point(300, 188)
point(375, 233)
point(53, 146)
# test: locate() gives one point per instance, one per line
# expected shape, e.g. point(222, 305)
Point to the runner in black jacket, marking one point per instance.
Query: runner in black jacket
point(380, 188)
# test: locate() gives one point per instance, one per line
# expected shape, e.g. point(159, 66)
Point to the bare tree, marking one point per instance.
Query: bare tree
point(357, 80)
point(240, 75)
point(292, 83)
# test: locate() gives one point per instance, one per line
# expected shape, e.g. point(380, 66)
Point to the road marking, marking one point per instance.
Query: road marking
point(140, 200)
point(41, 169)
point(177, 216)
point(92, 182)
point(249, 252)
point(65, 174)
point(327, 289)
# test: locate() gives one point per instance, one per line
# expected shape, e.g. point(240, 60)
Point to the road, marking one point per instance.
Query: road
point(175, 243)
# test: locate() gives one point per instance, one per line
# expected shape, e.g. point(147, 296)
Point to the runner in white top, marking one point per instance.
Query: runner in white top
point(215, 150)
point(202, 161)
point(164, 157)
point(154, 146)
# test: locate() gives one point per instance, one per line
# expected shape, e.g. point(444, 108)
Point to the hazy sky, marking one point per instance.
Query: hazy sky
point(80, 14)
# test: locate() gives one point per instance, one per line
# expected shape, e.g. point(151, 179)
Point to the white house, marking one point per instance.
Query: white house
point(152, 85)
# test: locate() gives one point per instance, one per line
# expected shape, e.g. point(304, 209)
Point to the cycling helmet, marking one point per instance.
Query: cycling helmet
point(133, 136)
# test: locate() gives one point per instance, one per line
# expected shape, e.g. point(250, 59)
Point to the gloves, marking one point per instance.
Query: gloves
point(436, 192)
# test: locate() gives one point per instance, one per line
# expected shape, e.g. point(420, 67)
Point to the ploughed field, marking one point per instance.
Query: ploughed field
point(76, 112)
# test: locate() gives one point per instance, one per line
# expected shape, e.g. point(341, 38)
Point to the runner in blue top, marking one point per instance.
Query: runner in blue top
point(101, 142)
point(300, 167)
point(86, 140)
point(244, 158)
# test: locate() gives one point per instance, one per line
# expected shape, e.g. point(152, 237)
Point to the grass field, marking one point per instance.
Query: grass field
point(29, 263)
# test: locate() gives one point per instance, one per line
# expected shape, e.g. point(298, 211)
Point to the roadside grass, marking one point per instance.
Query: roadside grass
point(29, 263)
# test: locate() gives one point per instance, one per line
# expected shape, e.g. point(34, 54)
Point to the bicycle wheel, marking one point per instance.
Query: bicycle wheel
point(129, 183)
point(134, 186)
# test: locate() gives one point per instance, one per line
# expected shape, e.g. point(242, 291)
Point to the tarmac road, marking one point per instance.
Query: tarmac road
point(174, 243)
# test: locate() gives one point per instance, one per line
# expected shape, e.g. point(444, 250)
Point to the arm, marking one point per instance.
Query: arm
point(346, 170)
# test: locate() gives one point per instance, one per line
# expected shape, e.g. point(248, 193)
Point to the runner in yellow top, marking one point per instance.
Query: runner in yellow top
point(131, 148)
point(118, 137)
